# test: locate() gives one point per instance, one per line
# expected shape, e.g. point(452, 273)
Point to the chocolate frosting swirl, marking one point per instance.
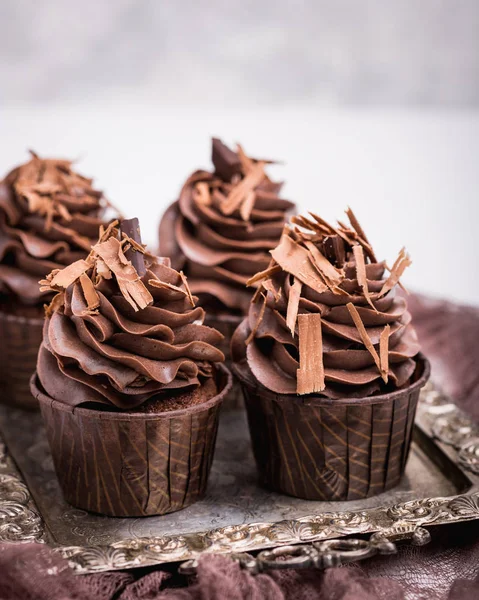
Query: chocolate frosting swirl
point(111, 337)
point(222, 227)
point(338, 279)
point(49, 218)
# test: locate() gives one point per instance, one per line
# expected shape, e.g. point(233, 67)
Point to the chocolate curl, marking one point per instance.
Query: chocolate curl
point(187, 288)
point(353, 311)
point(241, 191)
point(361, 273)
point(266, 274)
point(60, 279)
point(295, 260)
point(401, 263)
point(334, 249)
point(226, 162)
point(269, 286)
point(247, 206)
point(131, 228)
point(129, 282)
point(89, 292)
point(360, 231)
point(310, 375)
point(332, 277)
point(383, 352)
point(252, 334)
point(56, 303)
point(330, 230)
point(293, 305)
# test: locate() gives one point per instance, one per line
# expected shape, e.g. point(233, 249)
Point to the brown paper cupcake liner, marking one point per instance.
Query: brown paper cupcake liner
point(20, 337)
point(321, 449)
point(132, 464)
point(227, 324)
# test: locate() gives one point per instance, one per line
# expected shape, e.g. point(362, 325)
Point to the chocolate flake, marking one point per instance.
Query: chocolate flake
point(310, 375)
point(240, 191)
point(353, 311)
point(267, 273)
point(252, 334)
point(383, 352)
point(334, 249)
point(60, 279)
point(295, 259)
point(330, 274)
point(361, 273)
point(400, 264)
point(131, 228)
point(269, 286)
point(187, 288)
point(89, 292)
point(127, 277)
point(225, 161)
point(360, 231)
point(293, 305)
point(56, 302)
point(247, 205)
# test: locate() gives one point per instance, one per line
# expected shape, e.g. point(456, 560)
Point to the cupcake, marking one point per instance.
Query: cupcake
point(129, 380)
point(221, 230)
point(49, 218)
point(329, 364)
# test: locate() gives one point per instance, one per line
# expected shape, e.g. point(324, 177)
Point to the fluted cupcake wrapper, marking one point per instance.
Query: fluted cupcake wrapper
point(322, 449)
point(21, 337)
point(227, 324)
point(132, 464)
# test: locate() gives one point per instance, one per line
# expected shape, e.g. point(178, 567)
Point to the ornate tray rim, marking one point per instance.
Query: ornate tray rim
point(438, 418)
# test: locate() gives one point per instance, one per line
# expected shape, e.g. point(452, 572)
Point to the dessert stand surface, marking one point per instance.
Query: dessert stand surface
point(237, 516)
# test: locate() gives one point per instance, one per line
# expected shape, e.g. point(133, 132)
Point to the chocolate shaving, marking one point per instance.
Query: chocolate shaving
point(240, 191)
point(360, 231)
point(89, 292)
point(293, 305)
point(295, 259)
point(253, 332)
point(187, 288)
point(353, 311)
point(384, 351)
point(131, 229)
point(332, 277)
point(266, 274)
point(247, 163)
point(334, 249)
point(269, 286)
point(60, 279)
point(226, 162)
point(247, 205)
point(56, 303)
point(310, 375)
point(361, 273)
point(400, 264)
point(126, 275)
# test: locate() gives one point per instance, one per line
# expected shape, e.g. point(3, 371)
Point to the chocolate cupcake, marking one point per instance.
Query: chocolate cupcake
point(49, 218)
point(330, 365)
point(221, 230)
point(130, 381)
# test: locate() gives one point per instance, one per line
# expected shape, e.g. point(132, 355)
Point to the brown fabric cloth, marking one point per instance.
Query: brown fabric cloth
point(448, 568)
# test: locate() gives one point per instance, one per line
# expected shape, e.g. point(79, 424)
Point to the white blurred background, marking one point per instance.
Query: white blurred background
point(373, 104)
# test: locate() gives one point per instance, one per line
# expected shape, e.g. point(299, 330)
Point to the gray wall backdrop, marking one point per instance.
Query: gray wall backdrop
point(248, 53)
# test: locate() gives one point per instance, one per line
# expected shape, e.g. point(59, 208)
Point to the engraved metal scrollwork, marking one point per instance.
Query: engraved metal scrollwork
point(19, 521)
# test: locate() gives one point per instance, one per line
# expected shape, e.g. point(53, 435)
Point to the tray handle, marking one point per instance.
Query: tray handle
point(323, 554)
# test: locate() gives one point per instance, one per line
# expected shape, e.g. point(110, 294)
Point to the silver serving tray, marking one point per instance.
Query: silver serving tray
point(441, 486)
